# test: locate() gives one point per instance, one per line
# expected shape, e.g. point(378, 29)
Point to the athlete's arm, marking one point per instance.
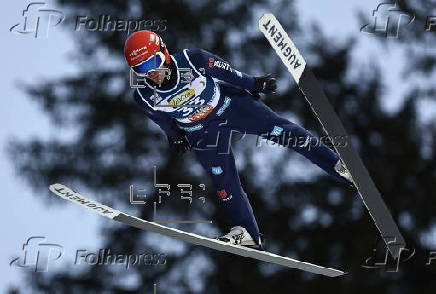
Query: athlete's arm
point(214, 66)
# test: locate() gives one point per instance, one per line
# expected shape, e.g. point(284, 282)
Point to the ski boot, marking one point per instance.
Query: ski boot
point(344, 173)
point(239, 236)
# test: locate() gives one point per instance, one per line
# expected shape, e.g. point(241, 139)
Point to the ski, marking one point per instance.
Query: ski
point(315, 96)
point(73, 196)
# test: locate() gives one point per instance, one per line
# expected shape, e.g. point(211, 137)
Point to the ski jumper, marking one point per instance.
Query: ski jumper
point(223, 107)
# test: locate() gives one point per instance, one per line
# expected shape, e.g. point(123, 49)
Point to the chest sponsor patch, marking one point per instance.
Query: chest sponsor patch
point(202, 113)
point(181, 98)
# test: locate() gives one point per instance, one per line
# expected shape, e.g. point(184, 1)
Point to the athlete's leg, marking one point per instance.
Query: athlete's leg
point(222, 169)
point(254, 117)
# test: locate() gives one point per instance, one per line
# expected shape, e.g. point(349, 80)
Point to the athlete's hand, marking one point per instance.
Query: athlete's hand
point(179, 143)
point(264, 84)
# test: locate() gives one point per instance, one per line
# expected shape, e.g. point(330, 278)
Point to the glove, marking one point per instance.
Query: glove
point(264, 84)
point(179, 143)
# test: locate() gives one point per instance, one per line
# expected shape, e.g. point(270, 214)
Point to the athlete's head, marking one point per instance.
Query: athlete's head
point(144, 52)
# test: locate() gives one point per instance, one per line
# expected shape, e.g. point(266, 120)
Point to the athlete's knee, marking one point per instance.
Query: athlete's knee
point(274, 134)
point(226, 183)
point(220, 176)
point(288, 134)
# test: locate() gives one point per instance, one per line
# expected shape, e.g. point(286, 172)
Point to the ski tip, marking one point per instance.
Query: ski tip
point(56, 187)
point(53, 186)
point(69, 194)
point(265, 17)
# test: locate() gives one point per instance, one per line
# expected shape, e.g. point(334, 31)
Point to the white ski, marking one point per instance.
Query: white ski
point(314, 94)
point(68, 194)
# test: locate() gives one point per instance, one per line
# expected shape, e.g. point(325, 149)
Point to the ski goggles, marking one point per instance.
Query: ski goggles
point(153, 62)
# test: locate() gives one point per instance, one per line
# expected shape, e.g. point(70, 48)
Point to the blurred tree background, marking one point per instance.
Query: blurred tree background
point(312, 219)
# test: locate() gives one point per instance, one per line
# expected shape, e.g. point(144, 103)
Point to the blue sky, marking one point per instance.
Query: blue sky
point(30, 60)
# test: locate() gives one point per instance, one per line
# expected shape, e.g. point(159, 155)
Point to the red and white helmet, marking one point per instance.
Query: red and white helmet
point(141, 45)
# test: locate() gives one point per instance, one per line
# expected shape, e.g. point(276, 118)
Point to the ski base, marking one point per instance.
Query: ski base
point(321, 107)
point(68, 194)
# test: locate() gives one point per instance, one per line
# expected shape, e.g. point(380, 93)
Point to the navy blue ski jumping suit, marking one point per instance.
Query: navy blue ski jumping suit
point(228, 108)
